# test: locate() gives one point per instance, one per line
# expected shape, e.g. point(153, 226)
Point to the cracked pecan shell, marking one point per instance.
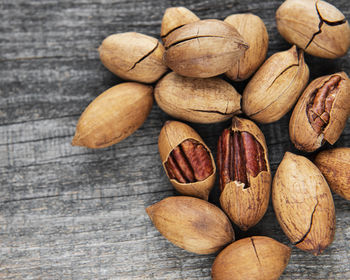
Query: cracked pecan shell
point(192, 224)
point(276, 86)
point(315, 26)
point(204, 48)
point(256, 257)
point(245, 176)
point(197, 100)
point(174, 18)
point(321, 113)
point(303, 204)
point(335, 167)
point(186, 159)
point(133, 56)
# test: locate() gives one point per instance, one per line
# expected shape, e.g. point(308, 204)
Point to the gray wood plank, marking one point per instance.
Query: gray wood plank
point(74, 213)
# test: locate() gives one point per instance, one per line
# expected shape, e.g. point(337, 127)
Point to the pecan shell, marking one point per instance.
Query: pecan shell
point(303, 204)
point(321, 112)
point(203, 49)
point(276, 86)
point(245, 176)
point(186, 159)
point(335, 167)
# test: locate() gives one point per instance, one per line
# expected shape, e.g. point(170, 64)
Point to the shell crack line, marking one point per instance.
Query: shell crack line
point(144, 57)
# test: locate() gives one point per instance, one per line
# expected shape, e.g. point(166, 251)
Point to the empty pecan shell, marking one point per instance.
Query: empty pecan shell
point(187, 161)
point(245, 176)
point(335, 167)
point(321, 112)
point(303, 204)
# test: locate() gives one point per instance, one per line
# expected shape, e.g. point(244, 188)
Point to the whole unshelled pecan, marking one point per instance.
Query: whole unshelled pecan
point(245, 176)
point(321, 112)
point(186, 159)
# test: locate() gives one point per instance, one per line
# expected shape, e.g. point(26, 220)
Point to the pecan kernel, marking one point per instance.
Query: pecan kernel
point(189, 162)
point(320, 105)
point(240, 155)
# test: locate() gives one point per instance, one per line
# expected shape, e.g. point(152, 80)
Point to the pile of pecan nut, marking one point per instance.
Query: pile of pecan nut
point(197, 52)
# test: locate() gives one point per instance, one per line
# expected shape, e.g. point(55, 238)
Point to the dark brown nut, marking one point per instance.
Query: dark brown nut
point(197, 100)
point(315, 26)
point(303, 204)
point(253, 31)
point(186, 159)
point(335, 167)
point(204, 48)
point(245, 176)
point(276, 86)
point(113, 115)
point(321, 112)
point(256, 257)
point(192, 224)
point(133, 56)
point(174, 18)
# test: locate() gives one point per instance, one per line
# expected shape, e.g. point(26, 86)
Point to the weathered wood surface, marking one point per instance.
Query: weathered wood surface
point(75, 213)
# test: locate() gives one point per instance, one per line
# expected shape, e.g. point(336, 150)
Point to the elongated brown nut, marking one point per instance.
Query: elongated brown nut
point(321, 112)
point(256, 257)
point(335, 167)
point(276, 86)
point(174, 18)
point(192, 224)
point(303, 204)
point(186, 160)
point(245, 175)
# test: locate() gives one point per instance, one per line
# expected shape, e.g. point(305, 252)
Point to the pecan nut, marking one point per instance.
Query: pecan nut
point(186, 159)
point(245, 176)
point(321, 112)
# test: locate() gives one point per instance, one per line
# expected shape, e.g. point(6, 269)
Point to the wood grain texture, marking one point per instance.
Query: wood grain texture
point(74, 213)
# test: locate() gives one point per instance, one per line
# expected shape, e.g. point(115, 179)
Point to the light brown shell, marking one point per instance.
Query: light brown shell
point(303, 204)
point(335, 167)
point(276, 86)
point(301, 132)
point(192, 224)
point(174, 18)
point(197, 100)
point(256, 257)
point(133, 56)
point(253, 31)
point(204, 48)
point(113, 115)
point(172, 134)
point(246, 206)
point(298, 21)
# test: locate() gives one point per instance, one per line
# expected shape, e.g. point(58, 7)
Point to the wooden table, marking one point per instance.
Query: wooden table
point(75, 213)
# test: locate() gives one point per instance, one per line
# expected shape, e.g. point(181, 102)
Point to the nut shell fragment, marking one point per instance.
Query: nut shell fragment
point(315, 26)
point(200, 160)
point(133, 56)
point(276, 86)
point(192, 224)
point(203, 49)
point(197, 100)
point(335, 167)
point(327, 95)
point(256, 257)
point(303, 204)
point(114, 115)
